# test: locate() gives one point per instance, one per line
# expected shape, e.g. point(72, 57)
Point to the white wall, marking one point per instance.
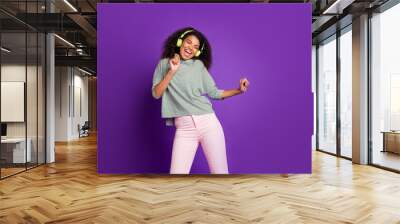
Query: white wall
point(70, 83)
point(81, 103)
point(16, 72)
point(62, 81)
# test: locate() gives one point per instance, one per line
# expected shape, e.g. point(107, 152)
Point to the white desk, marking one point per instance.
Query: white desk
point(18, 150)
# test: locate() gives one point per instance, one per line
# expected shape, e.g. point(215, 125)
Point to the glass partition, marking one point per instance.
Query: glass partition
point(327, 95)
point(385, 88)
point(14, 153)
point(346, 93)
point(22, 78)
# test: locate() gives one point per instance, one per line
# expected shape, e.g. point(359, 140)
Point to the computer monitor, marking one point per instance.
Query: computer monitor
point(3, 129)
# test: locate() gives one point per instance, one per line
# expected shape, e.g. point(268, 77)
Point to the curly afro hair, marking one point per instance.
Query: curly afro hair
point(170, 48)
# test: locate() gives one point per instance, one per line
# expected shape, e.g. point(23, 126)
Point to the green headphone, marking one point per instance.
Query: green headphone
point(180, 41)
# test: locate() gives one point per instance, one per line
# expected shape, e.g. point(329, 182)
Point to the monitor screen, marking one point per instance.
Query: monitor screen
point(3, 129)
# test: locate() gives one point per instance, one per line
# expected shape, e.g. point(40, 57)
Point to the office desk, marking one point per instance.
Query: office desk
point(13, 150)
point(391, 141)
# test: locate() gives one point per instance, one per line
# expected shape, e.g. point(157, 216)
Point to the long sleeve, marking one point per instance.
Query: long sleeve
point(189, 90)
point(209, 85)
point(158, 75)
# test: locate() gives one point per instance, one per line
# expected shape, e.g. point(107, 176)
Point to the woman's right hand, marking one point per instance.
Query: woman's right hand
point(175, 62)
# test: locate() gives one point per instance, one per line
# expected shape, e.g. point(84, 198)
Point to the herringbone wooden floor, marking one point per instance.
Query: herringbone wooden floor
point(70, 191)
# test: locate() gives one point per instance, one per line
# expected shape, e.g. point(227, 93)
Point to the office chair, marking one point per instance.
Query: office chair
point(84, 130)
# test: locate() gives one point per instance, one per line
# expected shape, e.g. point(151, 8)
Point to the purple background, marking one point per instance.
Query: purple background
point(267, 130)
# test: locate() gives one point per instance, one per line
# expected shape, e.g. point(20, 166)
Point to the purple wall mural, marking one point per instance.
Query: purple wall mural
point(267, 130)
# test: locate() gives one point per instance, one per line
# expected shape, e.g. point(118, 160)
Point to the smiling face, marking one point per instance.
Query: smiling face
point(189, 47)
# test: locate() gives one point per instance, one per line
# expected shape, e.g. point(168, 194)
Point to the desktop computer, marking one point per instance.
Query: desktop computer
point(3, 131)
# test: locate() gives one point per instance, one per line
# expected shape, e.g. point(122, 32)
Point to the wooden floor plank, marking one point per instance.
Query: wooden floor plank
point(71, 191)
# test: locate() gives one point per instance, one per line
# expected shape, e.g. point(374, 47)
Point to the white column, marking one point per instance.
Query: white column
point(50, 92)
point(50, 100)
point(360, 90)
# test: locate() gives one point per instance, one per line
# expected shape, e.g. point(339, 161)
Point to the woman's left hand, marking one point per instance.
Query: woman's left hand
point(243, 85)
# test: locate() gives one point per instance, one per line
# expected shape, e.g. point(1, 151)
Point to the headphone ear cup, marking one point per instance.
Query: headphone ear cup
point(179, 42)
point(198, 53)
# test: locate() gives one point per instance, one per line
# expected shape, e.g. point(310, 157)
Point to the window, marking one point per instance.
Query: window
point(346, 92)
point(327, 95)
point(385, 88)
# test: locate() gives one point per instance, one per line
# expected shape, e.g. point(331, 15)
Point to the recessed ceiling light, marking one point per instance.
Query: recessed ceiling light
point(5, 50)
point(70, 5)
point(337, 7)
point(64, 40)
point(86, 72)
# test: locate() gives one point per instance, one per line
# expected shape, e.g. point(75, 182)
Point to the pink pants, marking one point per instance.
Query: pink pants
point(192, 130)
